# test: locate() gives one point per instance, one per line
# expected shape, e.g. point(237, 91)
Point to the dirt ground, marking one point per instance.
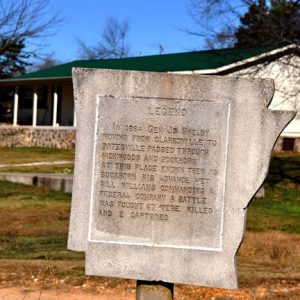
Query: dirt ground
point(268, 268)
point(74, 294)
point(281, 290)
point(33, 280)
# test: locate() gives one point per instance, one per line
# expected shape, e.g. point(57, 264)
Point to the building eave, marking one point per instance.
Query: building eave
point(222, 70)
point(23, 80)
point(240, 63)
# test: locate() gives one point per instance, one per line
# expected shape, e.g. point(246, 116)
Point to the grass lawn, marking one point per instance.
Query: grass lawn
point(66, 168)
point(20, 155)
point(280, 208)
point(34, 227)
point(33, 245)
point(33, 223)
point(33, 154)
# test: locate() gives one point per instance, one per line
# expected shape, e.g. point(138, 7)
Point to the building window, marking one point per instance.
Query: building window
point(26, 98)
point(288, 144)
point(6, 104)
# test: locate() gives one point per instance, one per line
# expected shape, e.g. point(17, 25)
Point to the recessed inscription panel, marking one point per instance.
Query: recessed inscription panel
point(159, 172)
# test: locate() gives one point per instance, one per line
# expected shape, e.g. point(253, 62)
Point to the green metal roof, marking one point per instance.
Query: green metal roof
point(196, 60)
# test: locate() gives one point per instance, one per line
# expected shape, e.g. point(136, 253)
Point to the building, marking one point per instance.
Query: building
point(37, 109)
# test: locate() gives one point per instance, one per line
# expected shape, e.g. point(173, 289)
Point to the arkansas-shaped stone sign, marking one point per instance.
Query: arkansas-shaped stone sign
point(166, 165)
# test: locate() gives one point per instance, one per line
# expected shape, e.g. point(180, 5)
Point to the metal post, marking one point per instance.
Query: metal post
point(154, 290)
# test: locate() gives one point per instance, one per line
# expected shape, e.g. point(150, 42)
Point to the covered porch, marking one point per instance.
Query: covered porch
point(37, 103)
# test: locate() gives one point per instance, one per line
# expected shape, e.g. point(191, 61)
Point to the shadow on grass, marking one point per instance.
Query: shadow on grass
point(284, 168)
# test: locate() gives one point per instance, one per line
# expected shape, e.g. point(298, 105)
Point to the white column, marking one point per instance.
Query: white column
point(16, 107)
point(35, 105)
point(74, 117)
point(55, 102)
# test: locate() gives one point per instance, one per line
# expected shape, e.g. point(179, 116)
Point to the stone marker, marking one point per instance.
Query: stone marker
point(166, 165)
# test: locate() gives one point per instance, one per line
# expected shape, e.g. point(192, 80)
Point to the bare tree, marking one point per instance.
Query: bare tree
point(215, 21)
point(48, 61)
point(24, 23)
point(243, 23)
point(285, 72)
point(113, 42)
point(223, 23)
point(246, 23)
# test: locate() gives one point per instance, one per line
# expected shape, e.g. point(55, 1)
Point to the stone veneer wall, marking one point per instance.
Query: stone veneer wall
point(62, 137)
point(278, 145)
point(297, 145)
point(37, 137)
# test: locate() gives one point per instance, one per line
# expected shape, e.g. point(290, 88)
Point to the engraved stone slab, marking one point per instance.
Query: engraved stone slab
point(151, 175)
point(165, 166)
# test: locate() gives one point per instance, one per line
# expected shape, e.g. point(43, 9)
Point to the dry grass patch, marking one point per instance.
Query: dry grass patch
point(35, 221)
point(19, 155)
point(271, 247)
point(66, 168)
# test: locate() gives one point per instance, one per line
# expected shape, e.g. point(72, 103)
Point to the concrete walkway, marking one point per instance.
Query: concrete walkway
point(57, 182)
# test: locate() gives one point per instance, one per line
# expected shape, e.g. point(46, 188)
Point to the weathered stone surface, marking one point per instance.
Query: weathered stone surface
point(168, 173)
point(165, 167)
point(260, 193)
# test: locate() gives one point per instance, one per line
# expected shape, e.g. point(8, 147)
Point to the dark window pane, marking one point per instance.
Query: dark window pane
point(288, 144)
point(6, 104)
